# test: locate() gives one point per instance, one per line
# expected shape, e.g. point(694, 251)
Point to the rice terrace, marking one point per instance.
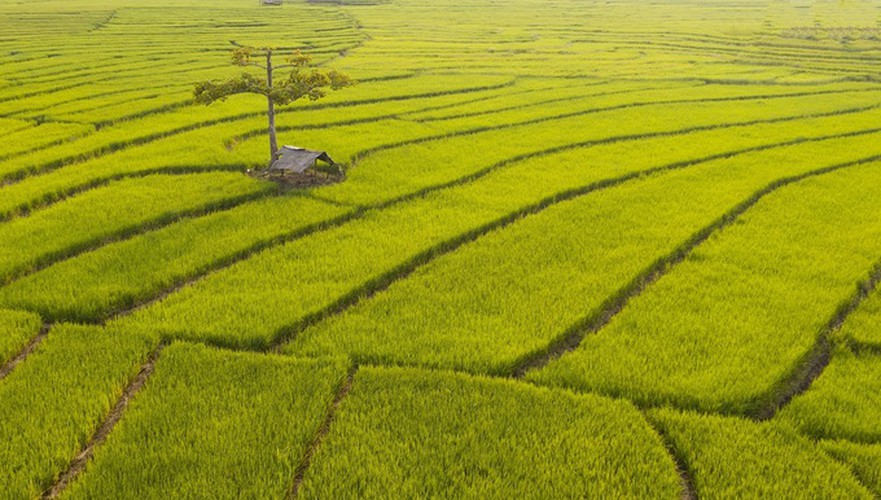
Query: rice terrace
point(440, 249)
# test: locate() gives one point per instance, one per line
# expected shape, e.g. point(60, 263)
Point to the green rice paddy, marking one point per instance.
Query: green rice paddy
point(583, 249)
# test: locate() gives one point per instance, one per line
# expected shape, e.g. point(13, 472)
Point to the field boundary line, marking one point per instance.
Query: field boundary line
point(153, 224)
point(42, 169)
point(78, 463)
point(863, 348)
point(27, 350)
point(234, 258)
point(38, 170)
point(815, 361)
point(48, 198)
point(532, 104)
point(686, 482)
point(286, 333)
point(329, 417)
point(696, 128)
point(383, 282)
point(594, 322)
point(22, 113)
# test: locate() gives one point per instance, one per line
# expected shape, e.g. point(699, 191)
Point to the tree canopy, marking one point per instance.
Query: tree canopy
point(300, 82)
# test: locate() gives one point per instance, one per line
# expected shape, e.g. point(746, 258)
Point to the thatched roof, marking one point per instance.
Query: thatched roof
point(296, 159)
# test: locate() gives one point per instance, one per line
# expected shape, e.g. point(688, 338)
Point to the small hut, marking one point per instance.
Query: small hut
point(294, 159)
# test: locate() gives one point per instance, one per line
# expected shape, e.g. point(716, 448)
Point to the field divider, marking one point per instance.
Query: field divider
point(86, 83)
point(309, 454)
point(381, 283)
point(157, 223)
point(48, 198)
point(78, 463)
point(34, 149)
point(406, 114)
point(120, 145)
point(811, 366)
point(531, 104)
point(51, 198)
point(572, 337)
point(26, 351)
point(237, 257)
point(685, 476)
point(534, 121)
point(164, 88)
point(860, 348)
point(404, 270)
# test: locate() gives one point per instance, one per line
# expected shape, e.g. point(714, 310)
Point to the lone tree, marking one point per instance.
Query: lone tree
point(301, 82)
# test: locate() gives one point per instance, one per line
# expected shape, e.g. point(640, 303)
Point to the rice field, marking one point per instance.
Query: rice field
point(583, 248)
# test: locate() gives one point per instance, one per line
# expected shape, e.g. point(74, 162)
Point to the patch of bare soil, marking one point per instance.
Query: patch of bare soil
point(309, 178)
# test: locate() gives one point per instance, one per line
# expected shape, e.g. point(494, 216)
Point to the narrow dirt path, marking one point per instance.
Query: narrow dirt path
point(818, 359)
point(322, 432)
point(30, 347)
point(570, 340)
point(79, 462)
point(685, 477)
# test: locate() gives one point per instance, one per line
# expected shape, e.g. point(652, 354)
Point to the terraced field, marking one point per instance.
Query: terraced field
point(606, 249)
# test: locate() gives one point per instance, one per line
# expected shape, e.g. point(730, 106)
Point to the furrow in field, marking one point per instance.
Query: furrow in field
point(122, 143)
point(731, 457)
point(439, 316)
point(48, 198)
point(842, 402)
point(765, 59)
point(699, 335)
point(686, 481)
point(546, 183)
point(10, 364)
point(530, 104)
point(79, 156)
point(801, 379)
point(421, 433)
point(365, 185)
point(863, 459)
point(861, 331)
point(89, 98)
point(16, 329)
point(78, 84)
point(63, 254)
point(52, 404)
point(264, 412)
point(122, 209)
point(41, 137)
point(79, 462)
point(115, 312)
point(382, 283)
point(818, 358)
point(309, 454)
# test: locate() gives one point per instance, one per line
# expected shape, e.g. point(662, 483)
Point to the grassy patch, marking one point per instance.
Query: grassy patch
point(699, 337)
point(16, 328)
point(843, 402)
point(863, 459)
point(737, 458)
point(103, 214)
point(214, 424)
point(863, 326)
point(408, 433)
point(53, 402)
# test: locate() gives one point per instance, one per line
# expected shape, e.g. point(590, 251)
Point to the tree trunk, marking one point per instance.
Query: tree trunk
point(273, 141)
